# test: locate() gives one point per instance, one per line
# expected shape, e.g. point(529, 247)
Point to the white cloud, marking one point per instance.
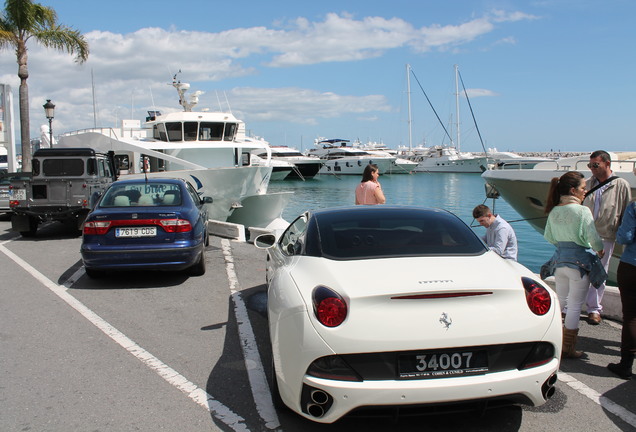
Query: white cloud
point(473, 93)
point(132, 70)
point(303, 106)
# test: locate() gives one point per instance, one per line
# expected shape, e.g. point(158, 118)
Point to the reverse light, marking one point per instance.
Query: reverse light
point(537, 297)
point(176, 225)
point(329, 307)
point(334, 368)
point(541, 353)
point(96, 227)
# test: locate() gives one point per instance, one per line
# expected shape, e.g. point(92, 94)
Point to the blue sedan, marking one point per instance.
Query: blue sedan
point(154, 224)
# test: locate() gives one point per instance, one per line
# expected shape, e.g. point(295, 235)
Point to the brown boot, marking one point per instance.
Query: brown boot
point(569, 344)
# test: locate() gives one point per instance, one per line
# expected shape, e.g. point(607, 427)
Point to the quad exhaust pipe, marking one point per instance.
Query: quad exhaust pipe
point(317, 402)
point(548, 389)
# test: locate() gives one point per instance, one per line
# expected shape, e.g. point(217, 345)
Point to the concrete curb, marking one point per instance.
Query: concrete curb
point(612, 306)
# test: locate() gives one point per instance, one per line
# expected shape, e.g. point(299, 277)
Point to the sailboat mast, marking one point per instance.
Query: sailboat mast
point(408, 96)
point(457, 106)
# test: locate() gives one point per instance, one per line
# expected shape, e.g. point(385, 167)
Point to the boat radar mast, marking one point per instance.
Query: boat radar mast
point(182, 88)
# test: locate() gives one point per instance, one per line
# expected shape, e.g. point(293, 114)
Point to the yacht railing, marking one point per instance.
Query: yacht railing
point(619, 165)
point(109, 132)
point(114, 133)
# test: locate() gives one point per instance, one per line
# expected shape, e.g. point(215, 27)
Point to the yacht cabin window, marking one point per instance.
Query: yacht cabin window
point(191, 131)
point(174, 131)
point(211, 131)
point(159, 132)
point(230, 131)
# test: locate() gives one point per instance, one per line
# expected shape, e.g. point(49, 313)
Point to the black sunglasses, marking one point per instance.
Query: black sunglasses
point(593, 165)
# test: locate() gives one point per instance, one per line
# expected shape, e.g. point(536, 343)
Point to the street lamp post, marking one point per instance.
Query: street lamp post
point(49, 112)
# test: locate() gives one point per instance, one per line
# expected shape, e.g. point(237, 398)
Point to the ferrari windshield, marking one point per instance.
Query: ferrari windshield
point(381, 231)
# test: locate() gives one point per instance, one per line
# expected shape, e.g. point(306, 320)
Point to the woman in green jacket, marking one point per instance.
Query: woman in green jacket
point(570, 227)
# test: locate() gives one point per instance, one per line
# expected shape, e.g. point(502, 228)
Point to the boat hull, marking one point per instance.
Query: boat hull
point(354, 166)
point(472, 165)
point(260, 210)
point(305, 170)
point(227, 186)
point(402, 166)
point(280, 173)
point(526, 191)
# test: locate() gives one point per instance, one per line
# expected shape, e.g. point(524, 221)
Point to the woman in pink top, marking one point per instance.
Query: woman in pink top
point(369, 191)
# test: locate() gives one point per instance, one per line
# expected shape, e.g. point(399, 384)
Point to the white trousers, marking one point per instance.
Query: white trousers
point(571, 290)
point(595, 295)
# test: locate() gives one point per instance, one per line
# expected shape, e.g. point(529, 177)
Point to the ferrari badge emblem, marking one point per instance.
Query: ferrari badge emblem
point(445, 320)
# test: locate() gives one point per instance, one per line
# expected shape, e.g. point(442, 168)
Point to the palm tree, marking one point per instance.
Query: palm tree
point(20, 21)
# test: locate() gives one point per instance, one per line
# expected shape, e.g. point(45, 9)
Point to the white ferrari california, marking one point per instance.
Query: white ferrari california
point(381, 308)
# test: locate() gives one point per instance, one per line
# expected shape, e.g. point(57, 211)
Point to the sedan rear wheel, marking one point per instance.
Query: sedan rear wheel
point(93, 274)
point(199, 268)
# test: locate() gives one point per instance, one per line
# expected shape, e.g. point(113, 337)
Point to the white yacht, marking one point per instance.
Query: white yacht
point(209, 149)
point(526, 190)
point(342, 159)
point(510, 160)
point(305, 167)
point(449, 159)
point(398, 166)
point(261, 157)
point(280, 169)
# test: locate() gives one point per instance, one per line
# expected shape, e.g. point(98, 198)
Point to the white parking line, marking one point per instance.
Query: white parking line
point(625, 415)
point(198, 395)
point(253, 364)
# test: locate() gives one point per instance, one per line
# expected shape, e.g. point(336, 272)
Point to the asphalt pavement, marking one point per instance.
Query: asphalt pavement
point(163, 351)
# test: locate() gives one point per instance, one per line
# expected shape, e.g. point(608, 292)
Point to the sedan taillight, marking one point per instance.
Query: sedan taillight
point(176, 225)
point(538, 298)
point(329, 307)
point(96, 227)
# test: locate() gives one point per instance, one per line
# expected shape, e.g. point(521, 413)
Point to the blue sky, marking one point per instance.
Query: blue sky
point(541, 75)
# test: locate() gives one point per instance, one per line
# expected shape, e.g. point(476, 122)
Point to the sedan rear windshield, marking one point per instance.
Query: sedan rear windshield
point(395, 234)
point(142, 195)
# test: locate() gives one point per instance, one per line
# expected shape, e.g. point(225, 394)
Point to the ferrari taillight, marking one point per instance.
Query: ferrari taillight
point(176, 225)
point(96, 227)
point(329, 307)
point(538, 298)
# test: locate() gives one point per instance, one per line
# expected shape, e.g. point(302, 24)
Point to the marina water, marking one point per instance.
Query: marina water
point(456, 192)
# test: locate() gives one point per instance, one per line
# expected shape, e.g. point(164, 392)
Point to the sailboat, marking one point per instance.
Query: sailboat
point(445, 158)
